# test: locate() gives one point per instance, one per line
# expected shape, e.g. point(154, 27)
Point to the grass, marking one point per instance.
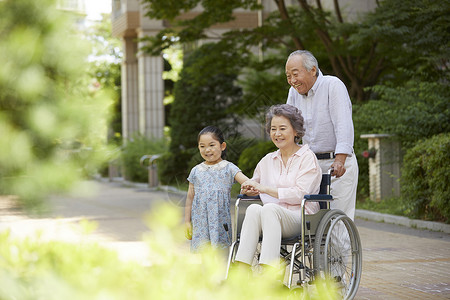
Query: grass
point(392, 206)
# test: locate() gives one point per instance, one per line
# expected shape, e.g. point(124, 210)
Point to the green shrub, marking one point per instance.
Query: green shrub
point(52, 125)
point(173, 167)
point(34, 269)
point(236, 146)
point(252, 155)
point(391, 206)
point(132, 152)
point(425, 179)
point(413, 110)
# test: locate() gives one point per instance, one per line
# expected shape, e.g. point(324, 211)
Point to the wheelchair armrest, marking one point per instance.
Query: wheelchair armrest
point(245, 197)
point(319, 197)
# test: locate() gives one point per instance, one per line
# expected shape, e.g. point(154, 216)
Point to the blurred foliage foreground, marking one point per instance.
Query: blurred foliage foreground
point(53, 119)
point(34, 269)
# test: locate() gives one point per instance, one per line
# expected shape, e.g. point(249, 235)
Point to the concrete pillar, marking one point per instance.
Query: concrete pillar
point(151, 93)
point(130, 105)
point(384, 166)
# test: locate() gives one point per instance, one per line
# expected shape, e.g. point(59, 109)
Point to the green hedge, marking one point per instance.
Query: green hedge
point(35, 269)
point(173, 167)
point(132, 152)
point(52, 124)
point(425, 188)
point(252, 155)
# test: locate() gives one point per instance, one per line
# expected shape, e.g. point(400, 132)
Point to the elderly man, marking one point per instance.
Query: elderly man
point(327, 111)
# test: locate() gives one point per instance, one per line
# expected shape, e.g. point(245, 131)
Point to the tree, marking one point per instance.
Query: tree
point(394, 58)
point(413, 111)
point(52, 121)
point(297, 27)
point(105, 69)
point(361, 52)
point(202, 100)
point(413, 104)
point(203, 95)
point(413, 36)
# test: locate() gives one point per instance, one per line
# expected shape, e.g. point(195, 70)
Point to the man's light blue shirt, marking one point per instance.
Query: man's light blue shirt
point(327, 111)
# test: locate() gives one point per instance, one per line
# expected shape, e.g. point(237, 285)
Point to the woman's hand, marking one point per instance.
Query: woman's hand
point(188, 230)
point(249, 192)
point(255, 188)
point(251, 185)
point(250, 188)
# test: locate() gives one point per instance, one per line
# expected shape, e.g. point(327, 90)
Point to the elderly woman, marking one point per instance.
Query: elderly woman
point(281, 179)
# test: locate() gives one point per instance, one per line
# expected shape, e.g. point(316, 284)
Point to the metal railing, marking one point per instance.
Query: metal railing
point(152, 169)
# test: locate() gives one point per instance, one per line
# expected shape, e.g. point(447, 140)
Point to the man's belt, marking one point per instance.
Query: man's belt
point(325, 155)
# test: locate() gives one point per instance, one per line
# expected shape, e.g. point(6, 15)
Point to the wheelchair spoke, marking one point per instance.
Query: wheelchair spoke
point(339, 252)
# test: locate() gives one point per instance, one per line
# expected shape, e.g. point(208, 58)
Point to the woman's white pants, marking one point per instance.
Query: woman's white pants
point(273, 222)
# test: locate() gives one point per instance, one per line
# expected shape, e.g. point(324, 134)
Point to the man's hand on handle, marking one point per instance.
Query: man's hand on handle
point(338, 165)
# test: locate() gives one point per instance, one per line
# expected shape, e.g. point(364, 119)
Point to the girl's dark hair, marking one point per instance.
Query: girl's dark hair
point(216, 133)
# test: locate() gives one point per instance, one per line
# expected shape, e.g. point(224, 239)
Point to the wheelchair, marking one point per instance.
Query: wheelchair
point(328, 247)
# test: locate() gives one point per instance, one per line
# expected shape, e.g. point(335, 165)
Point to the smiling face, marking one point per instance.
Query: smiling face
point(210, 148)
point(298, 77)
point(282, 133)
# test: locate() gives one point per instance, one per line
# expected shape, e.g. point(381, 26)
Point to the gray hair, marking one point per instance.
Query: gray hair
point(308, 59)
point(292, 113)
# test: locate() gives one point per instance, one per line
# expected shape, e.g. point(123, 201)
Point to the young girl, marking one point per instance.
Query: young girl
point(208, 199)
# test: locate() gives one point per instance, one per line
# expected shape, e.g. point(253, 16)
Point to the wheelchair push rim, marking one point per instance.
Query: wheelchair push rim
point(338, 253)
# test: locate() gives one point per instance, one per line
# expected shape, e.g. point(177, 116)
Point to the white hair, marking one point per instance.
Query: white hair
point(308, 59)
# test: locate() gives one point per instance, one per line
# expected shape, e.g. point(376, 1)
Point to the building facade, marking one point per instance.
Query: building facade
point(142, 83)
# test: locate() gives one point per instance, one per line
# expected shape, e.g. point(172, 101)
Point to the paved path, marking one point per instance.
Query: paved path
point(398, 262)
point(403, 263)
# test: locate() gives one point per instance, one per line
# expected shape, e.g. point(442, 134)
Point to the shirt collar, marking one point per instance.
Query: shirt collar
point(300, 152)
point(316, 84)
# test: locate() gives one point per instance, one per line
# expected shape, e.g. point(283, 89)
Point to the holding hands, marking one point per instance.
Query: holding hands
point(250, 188)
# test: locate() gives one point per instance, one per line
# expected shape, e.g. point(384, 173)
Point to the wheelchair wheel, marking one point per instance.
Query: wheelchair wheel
point(338, 253)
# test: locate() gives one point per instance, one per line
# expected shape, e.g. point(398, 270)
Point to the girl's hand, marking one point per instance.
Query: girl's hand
point(249, 188)
point(250, 192)
point(188, 230)
point(251, 185)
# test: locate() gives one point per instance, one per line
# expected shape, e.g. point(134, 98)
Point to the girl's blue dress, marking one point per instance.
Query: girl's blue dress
point(211, 204)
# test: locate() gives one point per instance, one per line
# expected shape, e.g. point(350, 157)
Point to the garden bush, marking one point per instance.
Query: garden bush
point(236, 146)
point(252, 155)
point(35, 269)
point(132, 152)
point(52, 123)
point(425, 179)
point(412, 111)
point(173, 167)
